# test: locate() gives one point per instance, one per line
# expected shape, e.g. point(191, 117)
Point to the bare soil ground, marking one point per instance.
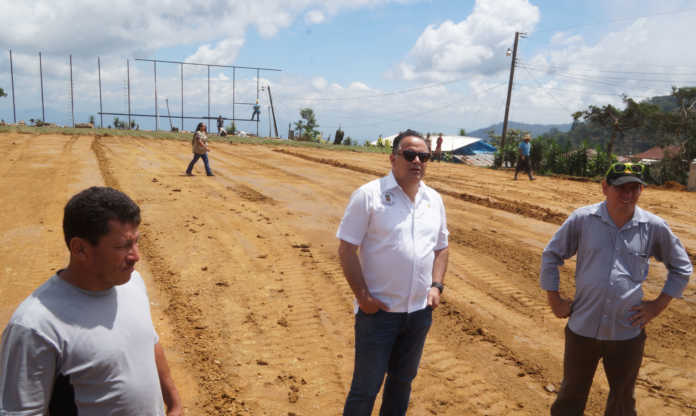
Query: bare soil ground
point(251, 303)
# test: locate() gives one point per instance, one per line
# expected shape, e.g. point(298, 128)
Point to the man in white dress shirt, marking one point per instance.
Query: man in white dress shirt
point(393, 251)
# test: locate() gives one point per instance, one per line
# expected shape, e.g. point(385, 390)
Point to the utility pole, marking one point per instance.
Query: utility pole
point(509, 93)
point(270, 98)
point(14, 109)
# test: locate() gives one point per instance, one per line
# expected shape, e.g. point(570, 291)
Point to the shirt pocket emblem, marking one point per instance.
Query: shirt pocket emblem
point(388, 198)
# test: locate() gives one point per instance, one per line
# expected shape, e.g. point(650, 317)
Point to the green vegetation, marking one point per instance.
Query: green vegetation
point(307, 127)
point(2, 93)
point(598, 134)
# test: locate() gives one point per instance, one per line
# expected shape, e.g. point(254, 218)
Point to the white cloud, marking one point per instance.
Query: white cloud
point(223, 53)
point(474, 45)
point(319, 83)
point(314, 17)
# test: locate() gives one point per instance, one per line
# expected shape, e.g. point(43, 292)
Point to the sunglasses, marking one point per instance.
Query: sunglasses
point(630, 168)
point(410, 155)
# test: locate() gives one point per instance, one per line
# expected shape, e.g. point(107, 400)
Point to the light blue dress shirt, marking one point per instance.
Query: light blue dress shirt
point(525, 147)
point(612, 265)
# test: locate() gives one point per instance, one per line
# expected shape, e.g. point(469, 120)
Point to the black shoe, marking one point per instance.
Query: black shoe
point(210, 174)
point(189, 174)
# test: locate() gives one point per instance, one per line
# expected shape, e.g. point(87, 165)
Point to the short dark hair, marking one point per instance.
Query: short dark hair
point(87, 214)
point(199, 126)
point(400, 136)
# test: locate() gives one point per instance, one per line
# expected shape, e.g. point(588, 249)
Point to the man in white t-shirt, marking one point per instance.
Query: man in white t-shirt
point(83, 342)
point(393, 251)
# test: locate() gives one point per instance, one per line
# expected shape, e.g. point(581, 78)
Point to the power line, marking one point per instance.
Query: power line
point(548, 93)
point(594, 69)
point(396, 92)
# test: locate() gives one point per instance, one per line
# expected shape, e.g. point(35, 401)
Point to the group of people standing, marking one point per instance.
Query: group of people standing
point(84, 342)
point(393, 249)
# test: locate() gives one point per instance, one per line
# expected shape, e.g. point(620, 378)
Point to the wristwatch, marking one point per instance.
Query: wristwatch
point(439, 286)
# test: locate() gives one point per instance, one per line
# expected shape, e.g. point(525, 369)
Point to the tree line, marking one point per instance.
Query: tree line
point(599, 133)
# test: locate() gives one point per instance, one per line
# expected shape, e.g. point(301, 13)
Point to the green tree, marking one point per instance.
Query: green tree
point(307, 127)
point(338, 137)
point(2, 93)
point(618, 122)
point(462, 132)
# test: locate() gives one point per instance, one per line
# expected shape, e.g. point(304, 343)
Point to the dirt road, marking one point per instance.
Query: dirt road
point(250, 301)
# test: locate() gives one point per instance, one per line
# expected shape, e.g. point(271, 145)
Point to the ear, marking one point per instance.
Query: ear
point(605, 187)
point(79, 248)
point(392, 158)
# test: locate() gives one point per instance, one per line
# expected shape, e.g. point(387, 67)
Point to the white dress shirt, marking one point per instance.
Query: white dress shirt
point(397, 240)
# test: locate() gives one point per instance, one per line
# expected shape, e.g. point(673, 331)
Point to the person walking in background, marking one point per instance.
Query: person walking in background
point(83, 342)
point(523, 152)
point(438, 149)
point(257, 111)
point(429, 143)
point(220, 126)
point(200, 150)
point(614, 241)
point(393, 252)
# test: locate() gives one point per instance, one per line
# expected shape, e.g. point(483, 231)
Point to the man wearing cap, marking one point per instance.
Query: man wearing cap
point(614, 241)
point(523, 162)
point(393, 251)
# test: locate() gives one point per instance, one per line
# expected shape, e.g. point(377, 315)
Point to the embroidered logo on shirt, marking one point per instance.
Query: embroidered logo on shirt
point(388, 198)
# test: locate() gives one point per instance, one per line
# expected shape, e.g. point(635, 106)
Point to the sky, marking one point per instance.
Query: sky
point(371, 67)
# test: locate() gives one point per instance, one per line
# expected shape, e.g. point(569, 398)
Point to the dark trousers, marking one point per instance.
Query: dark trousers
point(621, 360)
point(390, 343)
point(196, 156)
point(523, 164)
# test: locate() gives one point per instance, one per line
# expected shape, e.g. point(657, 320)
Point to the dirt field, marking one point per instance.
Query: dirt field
point(250, 301)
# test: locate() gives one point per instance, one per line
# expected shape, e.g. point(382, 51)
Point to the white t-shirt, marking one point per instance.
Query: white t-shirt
point(397, 240)
point(97, 346)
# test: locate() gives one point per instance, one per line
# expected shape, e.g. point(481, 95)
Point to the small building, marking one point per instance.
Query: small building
point(461, 148)
point(655, 154)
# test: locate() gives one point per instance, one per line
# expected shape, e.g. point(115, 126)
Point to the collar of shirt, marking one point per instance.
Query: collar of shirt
point(390, 184)
point(602, 211)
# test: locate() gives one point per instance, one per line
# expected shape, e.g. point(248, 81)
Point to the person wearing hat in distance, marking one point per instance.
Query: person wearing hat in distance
point(614, 241)
point(523, 162)
point(393, 252)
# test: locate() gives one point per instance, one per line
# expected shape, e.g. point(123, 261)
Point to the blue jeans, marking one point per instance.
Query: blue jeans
point(390, 343)
point(196, 156)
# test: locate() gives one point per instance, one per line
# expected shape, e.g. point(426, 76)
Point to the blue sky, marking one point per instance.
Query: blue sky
point(371, 66)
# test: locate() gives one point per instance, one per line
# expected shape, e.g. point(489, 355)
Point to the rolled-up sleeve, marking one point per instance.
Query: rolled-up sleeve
point(563, 245)
point(443, 234)
point(670, 251)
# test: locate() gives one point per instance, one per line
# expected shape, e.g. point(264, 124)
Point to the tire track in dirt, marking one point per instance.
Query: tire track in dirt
point(523, 262)
point(216, 396)
point(291, 327)
point(513, 206)
point(516, 207)
point(444, 363)
point(517, 261)
point(433, 404)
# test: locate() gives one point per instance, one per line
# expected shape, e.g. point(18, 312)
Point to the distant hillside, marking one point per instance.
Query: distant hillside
point(533, 129)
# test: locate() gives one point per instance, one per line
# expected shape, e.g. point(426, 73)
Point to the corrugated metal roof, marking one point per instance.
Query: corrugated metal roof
point(449, 143)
